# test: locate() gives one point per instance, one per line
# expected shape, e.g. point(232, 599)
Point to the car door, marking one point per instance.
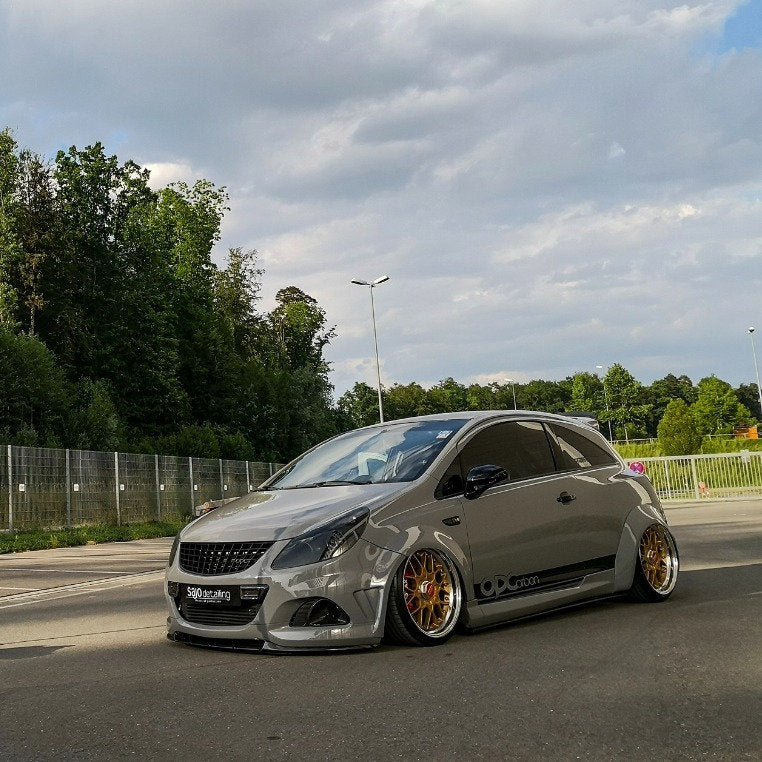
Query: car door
point(601, 504)
point(523, 533)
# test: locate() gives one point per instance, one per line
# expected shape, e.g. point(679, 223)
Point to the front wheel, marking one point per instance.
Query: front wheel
point(424, 600)
point(657, 565)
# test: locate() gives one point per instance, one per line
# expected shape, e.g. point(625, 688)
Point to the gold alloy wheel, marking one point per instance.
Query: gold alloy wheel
point(428, 591)
point(657, 557)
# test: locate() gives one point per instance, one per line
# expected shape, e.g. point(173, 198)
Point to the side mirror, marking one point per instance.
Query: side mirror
point(481, 478)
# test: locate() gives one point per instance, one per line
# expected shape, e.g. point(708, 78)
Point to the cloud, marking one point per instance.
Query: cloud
point(164, 173)
point(550, 185)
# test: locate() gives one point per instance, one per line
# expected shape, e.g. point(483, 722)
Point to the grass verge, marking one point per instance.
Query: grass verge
point(43, 539)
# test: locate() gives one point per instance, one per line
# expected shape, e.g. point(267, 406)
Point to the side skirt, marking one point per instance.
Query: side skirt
point(546, 612)
point(599, 584)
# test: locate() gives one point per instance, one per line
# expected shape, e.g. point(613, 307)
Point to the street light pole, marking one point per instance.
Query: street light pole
point(371, 286)
point(513, 389)
point(606, 399)
point(756, 367)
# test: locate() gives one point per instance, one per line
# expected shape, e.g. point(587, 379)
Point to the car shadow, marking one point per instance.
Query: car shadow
point(29, 652)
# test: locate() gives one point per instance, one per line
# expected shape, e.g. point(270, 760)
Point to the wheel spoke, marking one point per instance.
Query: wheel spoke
point(428, 591)
point(656, 558)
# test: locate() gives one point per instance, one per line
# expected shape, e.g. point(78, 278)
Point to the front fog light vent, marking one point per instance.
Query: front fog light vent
point(173, 589)
point(319, 612)
point(253, 592)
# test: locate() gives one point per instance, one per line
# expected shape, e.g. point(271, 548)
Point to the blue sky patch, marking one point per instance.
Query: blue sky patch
point(743, 29)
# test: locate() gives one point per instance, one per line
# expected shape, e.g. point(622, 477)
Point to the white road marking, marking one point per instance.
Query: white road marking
point(80, 588)
point(53, 638)
point(5, 587)
point(64, 571)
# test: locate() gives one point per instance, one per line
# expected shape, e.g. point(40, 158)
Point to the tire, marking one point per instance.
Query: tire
point(425, 600)
point(657, 565)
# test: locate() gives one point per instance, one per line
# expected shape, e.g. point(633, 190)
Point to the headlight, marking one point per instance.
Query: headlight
point(173, 552)
point(325, 542)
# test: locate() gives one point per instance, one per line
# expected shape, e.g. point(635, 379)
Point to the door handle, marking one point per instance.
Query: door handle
point(565, 498)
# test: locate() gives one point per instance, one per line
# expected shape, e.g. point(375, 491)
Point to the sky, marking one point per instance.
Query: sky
point(550, 186)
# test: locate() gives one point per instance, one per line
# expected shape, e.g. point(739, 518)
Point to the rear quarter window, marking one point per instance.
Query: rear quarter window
point(577, 451)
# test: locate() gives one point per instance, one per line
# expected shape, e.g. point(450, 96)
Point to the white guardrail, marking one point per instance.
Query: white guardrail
point(727, 476)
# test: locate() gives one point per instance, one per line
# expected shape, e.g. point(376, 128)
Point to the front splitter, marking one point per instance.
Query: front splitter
point(256, 646)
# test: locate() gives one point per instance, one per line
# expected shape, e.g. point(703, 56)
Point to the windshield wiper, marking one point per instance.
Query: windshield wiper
point(329, 483)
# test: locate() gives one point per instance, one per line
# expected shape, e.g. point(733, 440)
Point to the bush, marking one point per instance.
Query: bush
point(722, 444)
point(639, 450)
point(677, 431)
point(42, 539)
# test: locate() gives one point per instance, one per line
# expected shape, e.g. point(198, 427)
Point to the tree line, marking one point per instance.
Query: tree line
point(669, 407)
point(119, 332)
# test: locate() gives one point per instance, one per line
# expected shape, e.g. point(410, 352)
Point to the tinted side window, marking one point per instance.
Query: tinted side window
point(451, 483)
point(522, 448)
point(577, 451)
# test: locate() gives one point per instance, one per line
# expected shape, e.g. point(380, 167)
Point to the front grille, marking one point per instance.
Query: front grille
point(211, 558)
point(217, 616)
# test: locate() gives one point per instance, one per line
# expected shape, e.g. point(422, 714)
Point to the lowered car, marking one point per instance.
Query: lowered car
point(407, 530)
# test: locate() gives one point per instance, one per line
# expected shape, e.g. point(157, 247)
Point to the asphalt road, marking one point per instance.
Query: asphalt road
point(86, 672)
point(46, 569)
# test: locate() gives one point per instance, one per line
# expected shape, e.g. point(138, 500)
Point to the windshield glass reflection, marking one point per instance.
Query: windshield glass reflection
point(394, 452)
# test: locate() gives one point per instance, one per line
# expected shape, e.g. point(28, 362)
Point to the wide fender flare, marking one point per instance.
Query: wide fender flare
point(420, 538)
point(637, 521)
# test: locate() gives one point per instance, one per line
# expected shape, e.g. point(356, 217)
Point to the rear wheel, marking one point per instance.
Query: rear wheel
point(657, 565)
point(425, 600)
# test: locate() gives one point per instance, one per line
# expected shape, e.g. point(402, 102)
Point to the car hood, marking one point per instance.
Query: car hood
point(283, 514)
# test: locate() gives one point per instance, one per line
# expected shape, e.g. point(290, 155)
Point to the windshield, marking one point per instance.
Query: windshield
point(396, 452)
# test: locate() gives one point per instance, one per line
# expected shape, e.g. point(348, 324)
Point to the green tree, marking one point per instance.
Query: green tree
point(358, 406)
point(662, 391)
point(39, 232)
point(291, 377)
point(480, 397)
point(448, 396)
point(296, 413)
point(93, 198)
point(236, 291)
point(298, 331)
point(97, 421)
point(188, 222)
point(236, 447)
point(34, 393)
point(146, 375)
point(717, 409)
point(748, 396)
point(627, 405)
point(10, 250)
point(188, 441)
point(677, 431)
point(550, 396)
point(587, 395)
point(112, 315)
point(400, 401)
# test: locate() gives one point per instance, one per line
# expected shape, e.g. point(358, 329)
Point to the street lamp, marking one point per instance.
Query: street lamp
point(756, 367)
point(513, 389)
point(371, 286)
point(606, 398)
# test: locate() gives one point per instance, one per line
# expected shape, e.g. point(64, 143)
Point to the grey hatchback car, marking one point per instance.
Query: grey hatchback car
point(406, 530)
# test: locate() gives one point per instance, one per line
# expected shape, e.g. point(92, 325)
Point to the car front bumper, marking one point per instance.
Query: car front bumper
point(356, 582)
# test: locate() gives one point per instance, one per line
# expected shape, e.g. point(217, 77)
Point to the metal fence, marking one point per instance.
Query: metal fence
point(46, 488)
point(726, 476)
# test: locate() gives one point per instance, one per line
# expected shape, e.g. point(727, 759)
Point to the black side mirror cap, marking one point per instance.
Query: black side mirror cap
point(481, 478)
